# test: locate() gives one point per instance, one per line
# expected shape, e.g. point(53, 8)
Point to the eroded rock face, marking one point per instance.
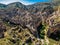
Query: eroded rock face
point(54, 32)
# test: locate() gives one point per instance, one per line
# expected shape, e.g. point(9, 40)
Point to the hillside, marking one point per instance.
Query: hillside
point(36, 24)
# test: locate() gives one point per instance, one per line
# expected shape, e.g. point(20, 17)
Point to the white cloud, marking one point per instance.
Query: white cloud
point(8, 1)
point(25, 2)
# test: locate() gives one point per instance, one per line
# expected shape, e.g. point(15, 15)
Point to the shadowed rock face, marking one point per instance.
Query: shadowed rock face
point(24, 17)
point(54, 32)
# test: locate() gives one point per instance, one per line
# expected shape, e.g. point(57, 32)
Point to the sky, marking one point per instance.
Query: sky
point(26, 2)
